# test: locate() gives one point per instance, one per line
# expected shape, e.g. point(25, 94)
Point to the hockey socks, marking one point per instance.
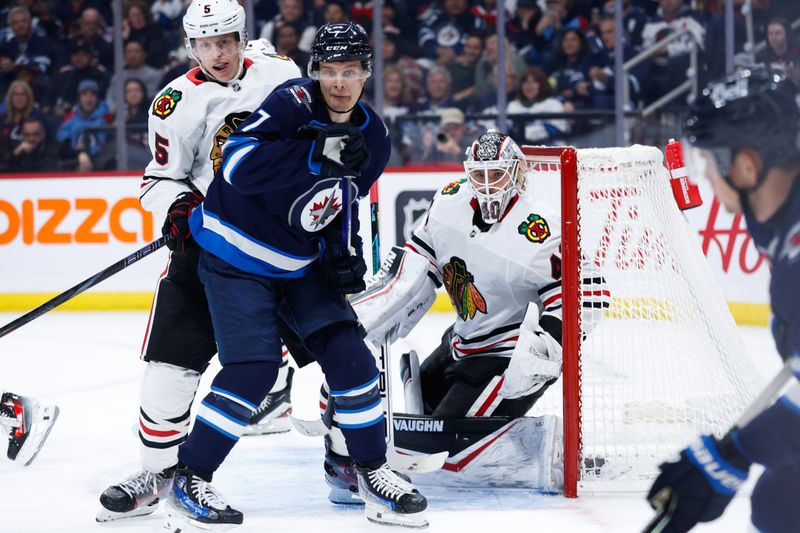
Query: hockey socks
point(235, 394)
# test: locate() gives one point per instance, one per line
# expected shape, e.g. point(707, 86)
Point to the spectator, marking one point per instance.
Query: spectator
point(600, 72)
point(89, 112)
point(633, 18)
point(438, 92)
point(450, 142)
point(39, 82)
point(69, 77)
point(536, 95)
point(336, 11)
point(91, 36)
point(670, 65)
point(462, 69)
point(287, 40)
point(393, 55)
point(8, 72)
point(443, 31)
point(19, 105)
point(34, 153)
point(21, 42)
point(522, 31)
point(138, 26)
point(398, 99)
point(135, 67)
point(137, 108)
point(167, 16)
point(291, 12)
point(487, 11)
point(715, 39)
point(483, 72)
point(69, 13)
point(569, 68)
point(781, 52)
point(403, 30)
point(487, 105)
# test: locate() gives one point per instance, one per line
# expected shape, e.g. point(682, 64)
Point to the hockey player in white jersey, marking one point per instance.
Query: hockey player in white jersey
point(189, 122)
point(497, 250)
point(27, 425)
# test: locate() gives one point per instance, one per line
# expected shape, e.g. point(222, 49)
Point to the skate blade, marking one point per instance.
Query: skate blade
point(274, 426)
point(46, 417)
point(180, 523)
point(110, 516)
point(383, 516)
point(344, 497)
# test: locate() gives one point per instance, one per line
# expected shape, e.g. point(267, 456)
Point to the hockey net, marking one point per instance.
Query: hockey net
point(666, 361)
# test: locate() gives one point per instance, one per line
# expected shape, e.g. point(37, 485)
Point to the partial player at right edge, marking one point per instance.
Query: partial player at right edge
point(750, 122)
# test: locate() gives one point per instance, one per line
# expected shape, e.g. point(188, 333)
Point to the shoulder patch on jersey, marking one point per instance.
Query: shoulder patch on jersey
point(166, 102)
point(454, 186)
point(229, 125)
point(460, 286)
point(534, 228)
point(301, 96)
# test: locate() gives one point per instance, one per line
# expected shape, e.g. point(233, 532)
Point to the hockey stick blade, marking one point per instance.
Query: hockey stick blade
point(85, 285)
point(402, 462)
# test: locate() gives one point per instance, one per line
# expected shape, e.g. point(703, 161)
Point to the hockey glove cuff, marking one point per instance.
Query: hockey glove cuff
point(340, 148)
point(177, 222)
point(700, 484)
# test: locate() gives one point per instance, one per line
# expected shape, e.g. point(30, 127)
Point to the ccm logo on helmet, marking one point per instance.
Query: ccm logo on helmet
point(81, 220)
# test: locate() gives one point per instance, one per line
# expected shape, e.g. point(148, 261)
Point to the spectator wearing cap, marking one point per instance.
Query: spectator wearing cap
point(536, 95)
point(80, 68)
point(91, 35)
point(20, 105)
point(450, 141)
point(287, 40)
point(138, 26)
point(135, 67)
point(22, 40)
point(34, 153)
point(90, 112)
point(444, 30)
point(291, 12)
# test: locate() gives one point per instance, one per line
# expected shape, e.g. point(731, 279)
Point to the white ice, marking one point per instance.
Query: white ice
point(88, 364)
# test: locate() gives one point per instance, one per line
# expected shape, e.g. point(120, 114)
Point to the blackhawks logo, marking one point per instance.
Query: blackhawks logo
point(534, 228)
point(453, 186)
point(229, 125)
point(460, 286)
point(166, 103)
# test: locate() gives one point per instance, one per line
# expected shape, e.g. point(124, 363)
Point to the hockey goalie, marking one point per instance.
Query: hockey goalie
point(496, 250)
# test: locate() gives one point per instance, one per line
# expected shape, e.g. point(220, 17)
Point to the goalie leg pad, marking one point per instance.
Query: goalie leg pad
point(397, 297)
point(166, 397)
point(412, 388)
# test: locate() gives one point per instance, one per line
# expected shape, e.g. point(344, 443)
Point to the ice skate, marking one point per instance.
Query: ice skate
point(272, 416)
point(29, 423)
point(136, 496)
point(390, 499)
point(194, 504)
point(341, 477)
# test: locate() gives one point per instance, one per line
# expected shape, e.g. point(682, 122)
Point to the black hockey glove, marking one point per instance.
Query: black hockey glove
point(177, 221)
point(353, 155)
point(698, 486)
point(343, 269)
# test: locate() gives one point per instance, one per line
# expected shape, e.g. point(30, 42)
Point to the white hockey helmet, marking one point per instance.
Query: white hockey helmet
point(496, 172)
point(207, 18)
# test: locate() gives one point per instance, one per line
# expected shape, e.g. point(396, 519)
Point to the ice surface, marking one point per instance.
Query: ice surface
point(88, 364)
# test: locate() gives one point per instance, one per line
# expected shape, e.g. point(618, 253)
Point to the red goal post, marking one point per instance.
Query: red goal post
point(665, 362)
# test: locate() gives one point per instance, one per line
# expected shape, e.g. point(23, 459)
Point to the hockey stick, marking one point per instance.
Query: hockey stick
point(85, 285)
point(665, 501)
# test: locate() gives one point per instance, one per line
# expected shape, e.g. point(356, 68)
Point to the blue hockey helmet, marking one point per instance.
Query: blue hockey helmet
point(341, 41)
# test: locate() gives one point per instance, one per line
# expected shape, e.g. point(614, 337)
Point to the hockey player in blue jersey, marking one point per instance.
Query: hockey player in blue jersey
point(278, 232)
point(750, 122)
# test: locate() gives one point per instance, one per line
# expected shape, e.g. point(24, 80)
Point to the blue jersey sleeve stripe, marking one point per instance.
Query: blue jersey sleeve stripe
point(235, 157)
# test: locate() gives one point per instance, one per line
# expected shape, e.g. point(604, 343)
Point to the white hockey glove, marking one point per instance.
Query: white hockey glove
point(535, 361)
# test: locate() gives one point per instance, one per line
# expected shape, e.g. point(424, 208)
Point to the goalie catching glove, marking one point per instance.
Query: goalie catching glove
point(397, 297)
point(535, 361)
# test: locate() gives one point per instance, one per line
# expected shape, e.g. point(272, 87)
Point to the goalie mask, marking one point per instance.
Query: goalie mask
point(495, 168)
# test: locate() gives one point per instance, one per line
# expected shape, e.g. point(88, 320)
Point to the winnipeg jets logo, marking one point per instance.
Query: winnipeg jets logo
point(318, 206)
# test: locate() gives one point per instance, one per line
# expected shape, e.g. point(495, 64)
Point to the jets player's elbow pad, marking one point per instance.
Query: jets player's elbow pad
point(397, 297)
point(536, 358)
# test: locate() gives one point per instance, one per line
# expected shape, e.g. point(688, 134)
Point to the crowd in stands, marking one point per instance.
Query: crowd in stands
point(58, 79)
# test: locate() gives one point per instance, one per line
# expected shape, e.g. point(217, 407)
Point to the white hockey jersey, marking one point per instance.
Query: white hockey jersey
point(492, 272)
point(191, 118)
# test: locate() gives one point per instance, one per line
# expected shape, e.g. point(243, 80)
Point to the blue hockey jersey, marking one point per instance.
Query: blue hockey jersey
point(269, 199)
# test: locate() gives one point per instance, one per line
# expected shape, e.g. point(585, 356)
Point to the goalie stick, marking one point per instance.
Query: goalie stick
point(85, 285)
point(665, 501)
